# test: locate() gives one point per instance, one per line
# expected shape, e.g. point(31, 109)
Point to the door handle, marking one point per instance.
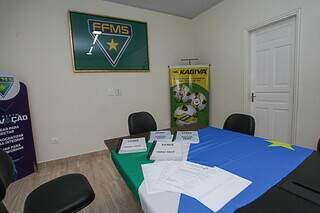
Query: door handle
point(252, 96)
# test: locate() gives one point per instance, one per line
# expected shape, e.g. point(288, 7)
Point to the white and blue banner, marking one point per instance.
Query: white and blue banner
point(16, 136)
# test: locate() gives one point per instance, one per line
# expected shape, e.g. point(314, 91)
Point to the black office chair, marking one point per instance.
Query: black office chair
point(66, 194)
point(140, 122)
point(240, 123)
point(318, 146)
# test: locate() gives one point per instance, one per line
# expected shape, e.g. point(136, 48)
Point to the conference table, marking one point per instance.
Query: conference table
point(285, 178)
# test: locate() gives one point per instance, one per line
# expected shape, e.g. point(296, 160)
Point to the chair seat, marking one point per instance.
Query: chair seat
point(69, 193)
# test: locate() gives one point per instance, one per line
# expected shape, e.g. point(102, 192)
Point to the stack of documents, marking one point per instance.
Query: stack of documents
point(166, 151)
point(133, 145)
point(160, 136)
point(214, 187)
point(187, 137)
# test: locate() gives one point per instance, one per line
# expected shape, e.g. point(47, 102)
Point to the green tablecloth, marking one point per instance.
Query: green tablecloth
point(129, 166)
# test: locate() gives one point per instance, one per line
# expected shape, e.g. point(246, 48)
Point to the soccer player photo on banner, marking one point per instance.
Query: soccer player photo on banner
point(189, 94)
point(16, 137)
point(108, 44)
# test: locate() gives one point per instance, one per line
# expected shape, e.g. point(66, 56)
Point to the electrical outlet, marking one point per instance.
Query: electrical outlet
point(55, 140)
point(111, 92)
point(114, 92)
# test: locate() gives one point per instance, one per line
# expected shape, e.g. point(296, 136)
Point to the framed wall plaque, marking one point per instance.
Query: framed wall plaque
point(108, 44)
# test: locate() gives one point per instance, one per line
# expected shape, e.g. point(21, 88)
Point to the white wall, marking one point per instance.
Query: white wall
point(221, 40)
point(76, 107)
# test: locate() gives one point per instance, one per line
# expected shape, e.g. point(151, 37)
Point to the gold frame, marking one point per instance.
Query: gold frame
point(105, 71)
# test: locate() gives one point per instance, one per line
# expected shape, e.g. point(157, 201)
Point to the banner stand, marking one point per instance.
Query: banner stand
point(35, 167)
point(189, 94)
point(16, 136)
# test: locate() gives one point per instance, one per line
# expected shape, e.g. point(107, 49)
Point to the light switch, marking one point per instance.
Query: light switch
point(117, 92)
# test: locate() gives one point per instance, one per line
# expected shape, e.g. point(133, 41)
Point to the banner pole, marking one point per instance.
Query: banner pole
point(189, 60)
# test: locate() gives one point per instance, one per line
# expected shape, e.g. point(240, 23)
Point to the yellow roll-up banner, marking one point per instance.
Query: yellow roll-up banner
point(189, 94)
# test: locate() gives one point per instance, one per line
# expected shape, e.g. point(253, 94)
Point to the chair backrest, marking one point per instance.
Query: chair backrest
point(140, 122)
point(6, 175)
point(3, 209)
point(318, 146)
point(240, 123)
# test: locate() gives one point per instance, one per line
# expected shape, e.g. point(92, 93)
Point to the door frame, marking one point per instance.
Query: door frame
point(247, 75)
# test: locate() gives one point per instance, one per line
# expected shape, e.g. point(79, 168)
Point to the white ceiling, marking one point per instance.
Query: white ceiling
point(183, 8)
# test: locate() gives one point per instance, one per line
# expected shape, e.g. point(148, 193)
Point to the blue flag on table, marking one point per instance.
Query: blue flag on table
point(262, 162)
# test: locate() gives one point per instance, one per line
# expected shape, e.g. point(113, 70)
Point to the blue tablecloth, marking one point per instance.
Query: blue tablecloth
point(249, 157)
